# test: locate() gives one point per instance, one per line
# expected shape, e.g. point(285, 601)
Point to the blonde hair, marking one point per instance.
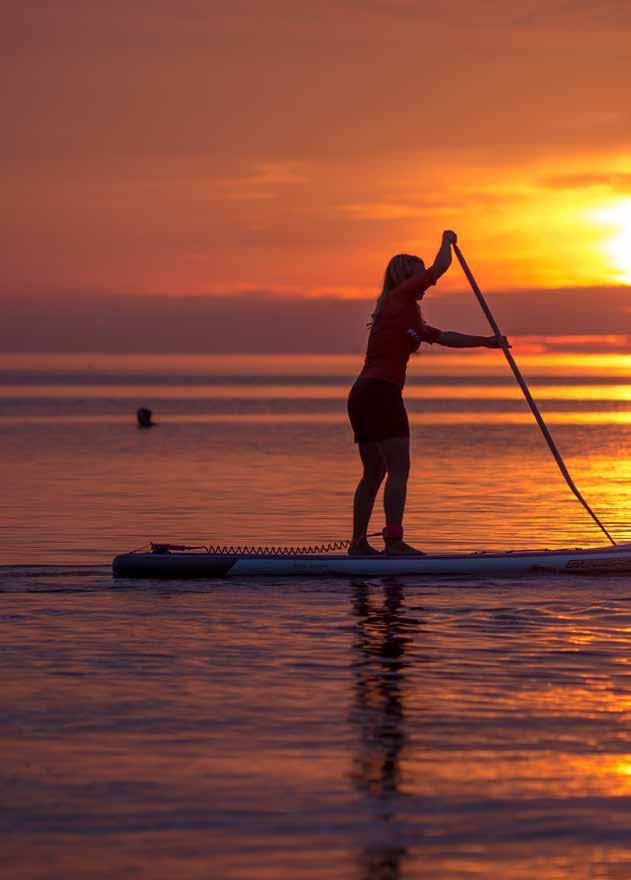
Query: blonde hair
point(399, 269)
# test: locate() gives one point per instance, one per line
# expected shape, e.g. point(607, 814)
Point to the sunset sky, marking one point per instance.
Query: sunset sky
point(196, 148)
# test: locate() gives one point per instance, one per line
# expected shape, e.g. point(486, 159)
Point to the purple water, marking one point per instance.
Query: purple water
point(295, 729)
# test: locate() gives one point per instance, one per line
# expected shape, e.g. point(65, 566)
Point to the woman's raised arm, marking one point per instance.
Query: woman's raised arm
point(443, 258)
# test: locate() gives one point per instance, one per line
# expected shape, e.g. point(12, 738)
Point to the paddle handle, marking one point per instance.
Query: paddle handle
point(526, 391)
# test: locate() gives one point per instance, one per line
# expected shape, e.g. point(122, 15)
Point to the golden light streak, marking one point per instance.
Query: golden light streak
point(426, 418)
point(233, 391)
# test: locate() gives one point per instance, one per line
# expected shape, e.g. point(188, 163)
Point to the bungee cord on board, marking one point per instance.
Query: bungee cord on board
point(250, 550)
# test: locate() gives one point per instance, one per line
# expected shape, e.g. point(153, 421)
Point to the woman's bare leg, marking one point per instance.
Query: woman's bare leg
point(396, 454)
point(366, 492)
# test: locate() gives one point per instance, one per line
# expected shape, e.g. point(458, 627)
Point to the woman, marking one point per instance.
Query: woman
point(375, 403)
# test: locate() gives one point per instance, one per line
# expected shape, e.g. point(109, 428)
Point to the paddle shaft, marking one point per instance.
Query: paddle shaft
point(529, 398)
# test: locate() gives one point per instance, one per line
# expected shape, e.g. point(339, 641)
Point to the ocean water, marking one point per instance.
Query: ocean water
point(253, 729)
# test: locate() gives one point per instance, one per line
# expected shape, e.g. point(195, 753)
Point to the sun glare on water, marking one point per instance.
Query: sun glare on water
point(617, 219)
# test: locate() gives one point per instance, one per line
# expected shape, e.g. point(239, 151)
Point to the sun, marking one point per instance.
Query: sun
point(617, 245)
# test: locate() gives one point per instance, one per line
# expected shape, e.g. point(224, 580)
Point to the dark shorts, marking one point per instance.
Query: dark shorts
point(377, 411)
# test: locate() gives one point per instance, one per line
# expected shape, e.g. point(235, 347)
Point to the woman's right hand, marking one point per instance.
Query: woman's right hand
point(449, 237)
point(495, 342)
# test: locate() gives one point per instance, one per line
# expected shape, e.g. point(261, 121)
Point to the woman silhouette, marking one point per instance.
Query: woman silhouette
point(375, 403)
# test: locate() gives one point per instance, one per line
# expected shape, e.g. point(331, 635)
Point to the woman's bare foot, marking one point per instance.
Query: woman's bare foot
point(400, 548)
point(361, 547)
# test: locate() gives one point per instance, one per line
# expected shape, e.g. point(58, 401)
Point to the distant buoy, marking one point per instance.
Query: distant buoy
point(144, 418)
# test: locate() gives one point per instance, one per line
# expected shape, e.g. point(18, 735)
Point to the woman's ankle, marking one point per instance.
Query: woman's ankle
point(392, 532)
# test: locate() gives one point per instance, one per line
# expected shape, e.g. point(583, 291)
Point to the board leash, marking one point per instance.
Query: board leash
point(250, 549)
point(253, 549)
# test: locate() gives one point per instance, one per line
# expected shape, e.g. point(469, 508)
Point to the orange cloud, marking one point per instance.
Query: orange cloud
point(205, 149)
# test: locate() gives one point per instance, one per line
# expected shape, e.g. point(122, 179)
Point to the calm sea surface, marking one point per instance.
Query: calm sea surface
point(272, 730)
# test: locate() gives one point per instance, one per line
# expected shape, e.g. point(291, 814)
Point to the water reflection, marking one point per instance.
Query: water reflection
point(382, 633)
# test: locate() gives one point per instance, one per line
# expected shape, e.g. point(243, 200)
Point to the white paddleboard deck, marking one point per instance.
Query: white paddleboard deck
point(177, 565)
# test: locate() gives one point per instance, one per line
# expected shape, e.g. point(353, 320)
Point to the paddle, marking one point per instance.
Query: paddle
point(529, 398)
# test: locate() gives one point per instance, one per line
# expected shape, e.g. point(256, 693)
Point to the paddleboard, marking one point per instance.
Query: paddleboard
point(177, 565)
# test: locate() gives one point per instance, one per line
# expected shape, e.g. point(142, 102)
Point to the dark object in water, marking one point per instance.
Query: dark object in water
point(144, 418)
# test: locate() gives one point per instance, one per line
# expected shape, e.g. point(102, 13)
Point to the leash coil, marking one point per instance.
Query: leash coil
point(251, 550)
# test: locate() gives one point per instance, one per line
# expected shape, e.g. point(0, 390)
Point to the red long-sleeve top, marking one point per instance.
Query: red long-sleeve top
point(398, 330)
